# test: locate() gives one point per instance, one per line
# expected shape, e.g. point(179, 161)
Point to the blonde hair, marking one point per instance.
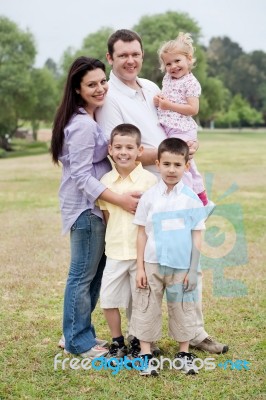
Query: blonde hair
point(183, 44)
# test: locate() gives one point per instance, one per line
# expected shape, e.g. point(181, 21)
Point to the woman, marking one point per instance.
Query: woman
point(80, 145)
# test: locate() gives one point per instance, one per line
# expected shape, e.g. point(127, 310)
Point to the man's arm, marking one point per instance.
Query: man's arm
point(148, 156)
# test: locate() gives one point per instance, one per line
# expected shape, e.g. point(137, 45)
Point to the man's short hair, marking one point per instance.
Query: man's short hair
point(126, 36)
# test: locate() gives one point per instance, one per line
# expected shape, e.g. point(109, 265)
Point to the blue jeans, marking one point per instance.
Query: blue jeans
point(87, 238)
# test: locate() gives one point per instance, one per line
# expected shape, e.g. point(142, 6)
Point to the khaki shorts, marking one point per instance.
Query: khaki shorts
point(118, 282)
point(146, 321)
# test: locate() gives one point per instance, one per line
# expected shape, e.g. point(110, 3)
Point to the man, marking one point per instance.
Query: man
point(130, 100)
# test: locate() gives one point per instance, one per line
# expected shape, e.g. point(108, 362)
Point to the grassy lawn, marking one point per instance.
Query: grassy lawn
point(33, 268)
point(21, 148)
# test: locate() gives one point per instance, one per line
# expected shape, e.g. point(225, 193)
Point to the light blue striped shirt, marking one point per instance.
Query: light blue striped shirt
point(84, 160)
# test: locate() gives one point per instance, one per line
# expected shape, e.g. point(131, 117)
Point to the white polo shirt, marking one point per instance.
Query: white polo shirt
point(125, 105)
point(169, 219)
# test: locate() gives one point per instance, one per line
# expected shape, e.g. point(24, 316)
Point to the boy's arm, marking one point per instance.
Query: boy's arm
point(141, 278)
point(190, 281)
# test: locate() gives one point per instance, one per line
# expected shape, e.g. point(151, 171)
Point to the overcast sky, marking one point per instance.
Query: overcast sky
point(58, 24)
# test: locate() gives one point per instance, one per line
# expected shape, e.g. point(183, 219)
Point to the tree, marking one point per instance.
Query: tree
point(17, 54)
point(51, 65)
point(43, 98)
point(239, 114)
point(221, 53)
point(214, 98)
point(248, 76)
point(94, 45)
point(242, 73)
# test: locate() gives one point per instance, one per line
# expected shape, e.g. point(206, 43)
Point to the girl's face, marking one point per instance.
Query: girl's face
point(177, 64)
point(93, 89)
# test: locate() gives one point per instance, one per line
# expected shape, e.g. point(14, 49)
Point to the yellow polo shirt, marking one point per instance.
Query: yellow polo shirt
point(121, 233)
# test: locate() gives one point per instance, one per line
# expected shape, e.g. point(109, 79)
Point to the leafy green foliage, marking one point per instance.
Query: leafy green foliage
point(240, 113)
point(94, 45)
point(213, 99)
point(17, 54)
point(43, 102)
point(241, 73)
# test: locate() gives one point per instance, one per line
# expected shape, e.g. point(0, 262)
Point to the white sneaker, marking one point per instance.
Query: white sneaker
point(94, 352)
point(189, 367)
point(150, 369)
point(99, 342)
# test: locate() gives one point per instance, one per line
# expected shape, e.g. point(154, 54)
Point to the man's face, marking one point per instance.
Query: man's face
point(126, 61)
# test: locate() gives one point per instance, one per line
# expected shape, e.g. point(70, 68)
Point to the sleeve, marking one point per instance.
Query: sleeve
point(81, 143)
point(198, 218)
point(141, 214)
point(102, 205)
point(109, 115)
point(193, 88)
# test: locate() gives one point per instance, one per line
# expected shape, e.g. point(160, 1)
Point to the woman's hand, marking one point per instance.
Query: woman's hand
point(129, 201)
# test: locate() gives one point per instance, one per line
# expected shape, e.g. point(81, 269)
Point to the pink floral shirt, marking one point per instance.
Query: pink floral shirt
point(177, 91)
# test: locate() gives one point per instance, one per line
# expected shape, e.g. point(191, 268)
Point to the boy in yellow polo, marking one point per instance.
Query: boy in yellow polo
point(119, 276)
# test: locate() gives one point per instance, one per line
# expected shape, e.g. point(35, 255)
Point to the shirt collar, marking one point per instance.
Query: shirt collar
point(177, 188)
point(122, 86)
point(114, 174)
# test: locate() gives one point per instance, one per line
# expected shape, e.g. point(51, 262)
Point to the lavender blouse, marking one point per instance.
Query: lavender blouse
point(84, 160)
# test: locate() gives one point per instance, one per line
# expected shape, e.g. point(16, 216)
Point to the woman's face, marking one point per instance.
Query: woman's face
point(93, 89)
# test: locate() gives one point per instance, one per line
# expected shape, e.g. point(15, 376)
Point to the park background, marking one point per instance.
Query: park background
point(35, 257)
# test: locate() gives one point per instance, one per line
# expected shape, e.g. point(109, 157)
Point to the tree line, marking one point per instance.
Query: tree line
point(233, 82)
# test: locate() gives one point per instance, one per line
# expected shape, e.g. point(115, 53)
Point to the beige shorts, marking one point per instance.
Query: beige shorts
point(118, 282)
point(146, 321)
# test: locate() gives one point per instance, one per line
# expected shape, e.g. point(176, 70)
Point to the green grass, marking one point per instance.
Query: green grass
point(34, 265)
point(21, 148)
